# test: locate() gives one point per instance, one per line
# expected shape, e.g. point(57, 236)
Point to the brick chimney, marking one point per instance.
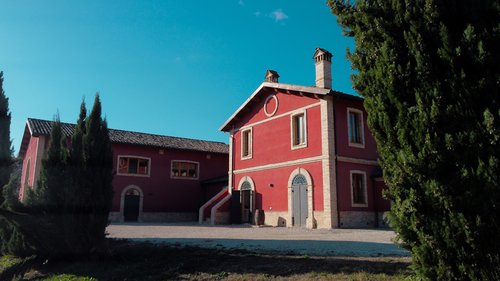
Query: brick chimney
point(323, 61)
point(271, 76)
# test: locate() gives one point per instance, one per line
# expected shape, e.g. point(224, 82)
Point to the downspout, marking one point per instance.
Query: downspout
point(336, 162)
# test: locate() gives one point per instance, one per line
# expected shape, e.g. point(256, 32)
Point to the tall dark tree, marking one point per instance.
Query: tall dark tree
point(5, 142)
point(68, 210)
point(80, 194)
point(98, 166)
point(52, 187)
point(430, 76)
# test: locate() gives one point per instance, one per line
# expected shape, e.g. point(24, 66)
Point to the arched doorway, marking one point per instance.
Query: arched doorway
point(246, 202)
point(300, 199)
point(131, 204)
point(247, 199)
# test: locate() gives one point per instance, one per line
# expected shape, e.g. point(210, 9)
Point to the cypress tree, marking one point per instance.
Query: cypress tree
point(11, 192)
point(5, 142)
point(52, 183)
point(429, 73)
point(67, 213)
point(79, 207)
point(52, 197)
point(98, 166)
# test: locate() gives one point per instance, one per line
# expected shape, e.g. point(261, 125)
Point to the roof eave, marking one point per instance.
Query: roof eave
point(224, 128)
point(28, 133)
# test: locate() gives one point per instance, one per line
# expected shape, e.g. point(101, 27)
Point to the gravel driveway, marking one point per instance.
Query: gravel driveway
point(314, 242)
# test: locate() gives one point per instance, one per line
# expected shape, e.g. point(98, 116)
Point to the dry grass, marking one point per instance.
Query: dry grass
point(141, 261)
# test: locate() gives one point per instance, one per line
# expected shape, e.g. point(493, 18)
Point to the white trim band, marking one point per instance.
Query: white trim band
point(279, 165)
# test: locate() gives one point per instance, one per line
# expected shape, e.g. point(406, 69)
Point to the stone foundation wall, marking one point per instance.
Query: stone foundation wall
point(157, 217)
point(382, 221)
point(352, 219)
point(169, 217)
point(276, 218)
point(321, 220)
point(222, 217)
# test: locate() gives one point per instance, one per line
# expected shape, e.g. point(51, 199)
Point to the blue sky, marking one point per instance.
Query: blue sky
point(178, 68)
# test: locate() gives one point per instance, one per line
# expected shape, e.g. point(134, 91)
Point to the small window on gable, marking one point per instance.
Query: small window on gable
point(355, 127)
point(299, 130)
point(358, 189)
point(129, 165)
point(185, 170)
point(246, 144)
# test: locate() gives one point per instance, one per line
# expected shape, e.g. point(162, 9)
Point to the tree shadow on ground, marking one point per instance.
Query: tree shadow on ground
point(146, 261)
point(290, 247)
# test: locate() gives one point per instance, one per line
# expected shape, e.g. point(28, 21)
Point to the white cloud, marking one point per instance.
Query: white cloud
point(241, 3)
point(278, 15)
point(257, 14)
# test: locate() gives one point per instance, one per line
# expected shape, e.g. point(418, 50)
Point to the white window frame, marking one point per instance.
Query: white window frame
point(361, 125)
point(185, 178)
point(292, 137)
point(133, 175)
point(250, 143)
point(363, 173)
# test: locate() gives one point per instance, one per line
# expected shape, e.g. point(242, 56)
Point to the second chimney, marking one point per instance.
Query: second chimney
point(323, 61)
point(271, 76)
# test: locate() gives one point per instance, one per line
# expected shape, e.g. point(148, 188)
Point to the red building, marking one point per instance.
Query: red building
point(157, 178)
point(304, 156)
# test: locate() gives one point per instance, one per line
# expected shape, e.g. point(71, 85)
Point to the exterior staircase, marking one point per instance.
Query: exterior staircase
point(216, 210)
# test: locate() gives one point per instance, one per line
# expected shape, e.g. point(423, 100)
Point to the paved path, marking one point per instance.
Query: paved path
point(314, 242)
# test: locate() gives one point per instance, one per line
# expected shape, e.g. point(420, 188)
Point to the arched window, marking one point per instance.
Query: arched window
point(246, 186)
point(299, 179)
point(133, 191)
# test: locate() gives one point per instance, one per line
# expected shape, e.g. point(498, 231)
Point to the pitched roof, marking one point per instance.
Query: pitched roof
point(291, 88)
point(281, 86)
point(38, 127)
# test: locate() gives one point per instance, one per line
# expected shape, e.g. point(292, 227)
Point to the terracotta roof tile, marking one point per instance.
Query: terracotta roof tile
point(43, 127)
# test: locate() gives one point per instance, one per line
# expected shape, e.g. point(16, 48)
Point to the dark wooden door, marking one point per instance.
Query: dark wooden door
point(235, 207)
point(131, 208)
point(246, 206)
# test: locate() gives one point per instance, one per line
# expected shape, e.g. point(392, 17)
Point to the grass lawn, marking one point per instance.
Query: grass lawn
point(142, 261)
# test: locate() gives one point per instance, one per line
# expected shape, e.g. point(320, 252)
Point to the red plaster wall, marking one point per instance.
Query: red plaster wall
point(286, 103)
point(343, 148)
point(275, 197)
point(271, 141)
point(161, 193)
point(31, 156)
point(344, 182)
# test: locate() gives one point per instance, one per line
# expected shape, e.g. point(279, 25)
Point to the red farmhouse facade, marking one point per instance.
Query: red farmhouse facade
point(303, 156)
point(157, 178)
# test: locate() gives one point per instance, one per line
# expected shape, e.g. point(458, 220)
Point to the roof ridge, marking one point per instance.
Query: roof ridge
point(184, 138)
point(128, 131)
